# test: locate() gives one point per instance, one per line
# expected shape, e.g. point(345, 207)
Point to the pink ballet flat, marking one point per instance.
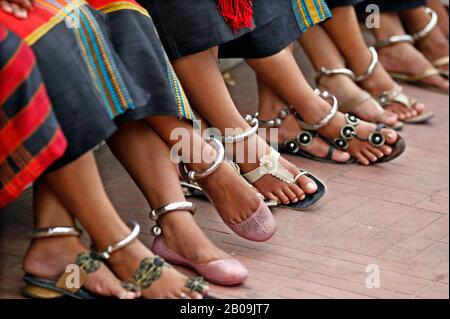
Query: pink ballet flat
point(259, 227)
point(226, 272)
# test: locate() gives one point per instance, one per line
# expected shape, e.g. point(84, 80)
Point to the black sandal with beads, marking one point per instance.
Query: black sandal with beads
point(298, 145)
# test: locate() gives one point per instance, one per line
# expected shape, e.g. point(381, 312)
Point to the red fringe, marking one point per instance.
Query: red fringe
point(237, 13)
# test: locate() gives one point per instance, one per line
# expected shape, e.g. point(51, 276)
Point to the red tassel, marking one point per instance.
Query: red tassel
point(238, 14)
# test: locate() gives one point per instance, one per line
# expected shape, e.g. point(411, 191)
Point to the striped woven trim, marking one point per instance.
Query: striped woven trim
point(102, 66)
point(310, 12)
point(184, 108)
point(123, 5)
point(62, 12)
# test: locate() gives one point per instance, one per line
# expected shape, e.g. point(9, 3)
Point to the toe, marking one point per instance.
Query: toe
point(307, 185)
point(419, 107)
point(299, 193)
point(376, 151)
point(386, 150)
point(369, 155)
point(340, 156)
point(272, 197)
point(362, 159)
point(391, 136)
point(283, 198)
point(290, 194)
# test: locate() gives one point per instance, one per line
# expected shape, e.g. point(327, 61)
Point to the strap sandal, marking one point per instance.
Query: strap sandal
point(444, 61)
point(352, 105)
point(39, 288)
point(396, 95)
point(150, 269)
point(225, 272)
point(376, 138)
point(270, 165)
point(422, 34)
point(260, 226)
point(416, 79)
point(303, 140)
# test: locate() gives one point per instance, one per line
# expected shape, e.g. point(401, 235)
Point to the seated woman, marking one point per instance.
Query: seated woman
point(350, 65)
point(87, 116)
point(167, 103)
point(420, 57)
point(191, 33)
point(316, 113)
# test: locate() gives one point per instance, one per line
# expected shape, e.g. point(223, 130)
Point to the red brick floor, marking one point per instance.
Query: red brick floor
point(394, 216)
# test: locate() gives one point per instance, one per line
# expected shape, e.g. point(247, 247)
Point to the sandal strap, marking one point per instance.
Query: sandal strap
point(371, 68)
point(276, 122)
point(441, 61)
point(396, 95)
point(196, 284)
point(434, 19)
point(415, 78)
point(303, 139)
point(88, 262)
point(347, 133)
point(150, 270)
point(232, 139)
point(192, 176)
point(350, 105)
point(157, 214)
point(135, 230)
point(376, 138)
point(335, 71)
point(58, 231)
point(324, 122)
point(270, 165)
point(300, 175)
point(395, 39)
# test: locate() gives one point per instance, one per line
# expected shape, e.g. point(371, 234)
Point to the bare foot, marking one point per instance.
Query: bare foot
point(405, 58)
point(171, 284)
point(48, 258)
point(362, 151)
point(345, 89)
point(290, 129)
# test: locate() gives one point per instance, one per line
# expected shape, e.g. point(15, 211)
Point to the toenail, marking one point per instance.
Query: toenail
point(311, 187)
point(303, 197)
point(295, 200)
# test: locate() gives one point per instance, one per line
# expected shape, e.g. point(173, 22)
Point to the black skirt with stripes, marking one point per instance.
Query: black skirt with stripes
point(296, 18)
point(190, 27)
point(100, 69)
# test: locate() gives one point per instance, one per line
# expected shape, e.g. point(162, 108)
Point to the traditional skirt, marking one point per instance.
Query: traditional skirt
point(389, 5)
point(189, 27)
point(30, 137)
point(297, 17)
point(136, 42)
point(99, 69)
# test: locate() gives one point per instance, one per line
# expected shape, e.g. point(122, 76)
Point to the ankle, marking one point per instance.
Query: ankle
point(269, 110)
point(48, 257)
point(314, 110)
point(361, 62)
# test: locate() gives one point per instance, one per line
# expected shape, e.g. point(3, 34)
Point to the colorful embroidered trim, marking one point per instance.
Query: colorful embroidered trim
point(310, 12)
